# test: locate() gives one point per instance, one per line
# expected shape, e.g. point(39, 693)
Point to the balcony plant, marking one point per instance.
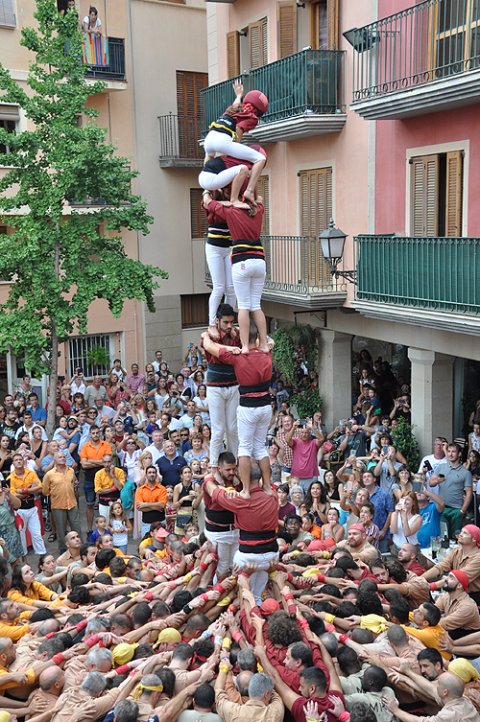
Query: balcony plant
point(294, 345)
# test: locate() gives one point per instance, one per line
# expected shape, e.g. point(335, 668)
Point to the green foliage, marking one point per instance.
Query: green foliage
point(98, 357)
point(307, 403)
point(405, 441)
point(284, 354)
point(59, 259)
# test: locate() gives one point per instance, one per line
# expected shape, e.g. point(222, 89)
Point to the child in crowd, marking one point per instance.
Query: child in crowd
point(198, 475)
point(100, 529)
point(367, 511)
point(170, 511)
point(119, 526)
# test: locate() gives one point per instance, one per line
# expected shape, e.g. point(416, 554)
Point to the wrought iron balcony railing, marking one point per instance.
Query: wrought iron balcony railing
point(423, 273)
point(305, 83)
point(430, 41)
point(115, 68)
point(297, 273)
point(179, 141)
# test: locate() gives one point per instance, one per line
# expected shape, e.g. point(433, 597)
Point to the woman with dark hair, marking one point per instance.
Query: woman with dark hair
point(332, 489)
point(201, 403)
point(406, 521)
point(206, 435)
point(5, 454)
point(316, 503)
point(26, 590)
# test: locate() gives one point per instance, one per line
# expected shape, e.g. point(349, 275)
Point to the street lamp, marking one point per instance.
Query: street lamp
point(333, 243)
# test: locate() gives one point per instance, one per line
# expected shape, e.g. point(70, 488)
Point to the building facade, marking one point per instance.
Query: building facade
point(371, 121)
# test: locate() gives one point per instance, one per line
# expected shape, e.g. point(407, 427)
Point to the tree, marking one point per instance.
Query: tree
point(58, 259)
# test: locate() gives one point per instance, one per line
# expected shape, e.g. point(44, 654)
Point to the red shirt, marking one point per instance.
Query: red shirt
point(241, 225)
point(218, 373)
point(251, 369)
point(259, 513)
point(324, 705)
point(416, 568)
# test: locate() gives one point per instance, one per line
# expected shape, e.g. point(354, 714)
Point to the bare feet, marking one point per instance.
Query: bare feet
point(245, 494)
point(264, 347)
point(245, 350)
point(249, 196)
point(239, 204)
point(267, 489)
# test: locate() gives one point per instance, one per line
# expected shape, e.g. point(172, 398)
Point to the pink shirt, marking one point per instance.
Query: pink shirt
point(304, 464)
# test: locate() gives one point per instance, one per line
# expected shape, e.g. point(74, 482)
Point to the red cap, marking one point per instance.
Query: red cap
point(160, 533)
point(358, 527)
point(474, 532)
point(461, 577)
point(258, 99)
point(321, 545)
point(269, 606)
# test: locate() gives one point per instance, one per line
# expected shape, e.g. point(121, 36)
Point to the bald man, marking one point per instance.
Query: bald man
point(50, 686)
point(454, 707)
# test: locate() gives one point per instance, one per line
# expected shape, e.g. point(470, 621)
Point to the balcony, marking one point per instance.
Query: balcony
point(304, 94)
point(179, 146)
point(420, 60)
point(112, 67)
point(430, 282)
point(297, 274)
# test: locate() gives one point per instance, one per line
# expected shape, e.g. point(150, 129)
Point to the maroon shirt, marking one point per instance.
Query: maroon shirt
point(253, 372)
point(256, 518)
point(415, 567)
point(244, 229)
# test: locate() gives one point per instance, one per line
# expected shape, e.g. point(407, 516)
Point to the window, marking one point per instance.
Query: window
point(191, 115)
point(194, 310)
point(457, 36)
point(324, 24)
point(436, 195)
point(316, 211)
point(263, 189)
point(198, 219)
point(83, 351)
point(247, 50)
point(9, 117)
point(7, 14)
point(287, 28)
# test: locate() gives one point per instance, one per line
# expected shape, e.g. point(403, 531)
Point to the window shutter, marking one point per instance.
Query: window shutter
point(9, 112)
point(316, 209)
point(233, 54)
point(424, 196)
point(332, 24)
point(263, 189)
point(257, 44)
point(287, 29)
point(198, 219)
point(191, 116)
point(7, 14)
point(194, 309)
point(454, 185)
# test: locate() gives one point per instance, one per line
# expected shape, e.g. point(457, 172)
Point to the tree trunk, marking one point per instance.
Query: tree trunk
point(53, 381)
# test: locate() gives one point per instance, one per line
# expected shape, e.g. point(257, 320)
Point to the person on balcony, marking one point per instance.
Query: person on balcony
point(91, 23)
point(225, 131)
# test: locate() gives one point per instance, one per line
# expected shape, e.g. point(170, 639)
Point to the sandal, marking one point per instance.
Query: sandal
point(52, 537)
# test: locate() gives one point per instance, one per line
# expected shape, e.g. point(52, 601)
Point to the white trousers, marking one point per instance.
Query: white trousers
point(259, 578)
point(227, 547)
point(220, 267)
point(222, 407)
point(248, 281)
point(253, 425)
point(31, 521)
point(217, 143)
point(214, 181)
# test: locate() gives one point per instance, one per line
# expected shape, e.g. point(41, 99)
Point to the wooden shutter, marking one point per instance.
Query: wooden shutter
point(424, 196)
point(7, 13)
point(332, 24)
point(194, 309)
point(263, 189)
point(316, 209)
point(287, 29)
point(233, 54)
point(191, 116)
point(454, 193)
point(257, 44)
point(198, 219)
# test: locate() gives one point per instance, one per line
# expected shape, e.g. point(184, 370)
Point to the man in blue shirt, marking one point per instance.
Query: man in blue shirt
point(430, 506)
point(170, 465)
point(383, 504)
point(39, 414)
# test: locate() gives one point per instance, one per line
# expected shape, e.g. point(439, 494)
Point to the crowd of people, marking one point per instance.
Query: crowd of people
point(210, 561)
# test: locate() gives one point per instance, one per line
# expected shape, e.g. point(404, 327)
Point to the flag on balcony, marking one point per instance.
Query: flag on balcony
point(95, 50)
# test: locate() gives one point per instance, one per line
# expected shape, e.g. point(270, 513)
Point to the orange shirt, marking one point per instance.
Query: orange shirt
point(95, 453)
point(157, 493)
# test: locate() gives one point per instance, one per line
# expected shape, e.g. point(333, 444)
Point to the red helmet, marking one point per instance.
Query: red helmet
point(258, 99)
